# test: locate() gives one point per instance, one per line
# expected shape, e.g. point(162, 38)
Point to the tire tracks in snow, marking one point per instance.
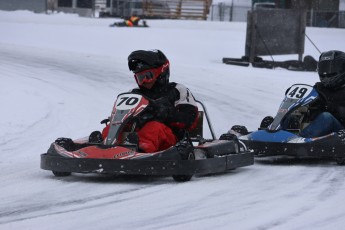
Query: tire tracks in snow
point(70, 206)
point(330, 177)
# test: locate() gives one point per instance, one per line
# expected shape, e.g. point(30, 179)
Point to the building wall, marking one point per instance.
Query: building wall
point(83, 8)
point(37, 6)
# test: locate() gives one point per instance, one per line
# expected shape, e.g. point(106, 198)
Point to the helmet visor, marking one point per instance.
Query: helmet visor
point(329, 65)
point(147, 76)
point(329, 68)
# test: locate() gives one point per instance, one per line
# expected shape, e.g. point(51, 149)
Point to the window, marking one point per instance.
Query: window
point(64, 3)
point(84, 4)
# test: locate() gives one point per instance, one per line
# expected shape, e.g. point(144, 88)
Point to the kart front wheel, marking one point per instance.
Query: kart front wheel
point(184, 178)
point(61, 174)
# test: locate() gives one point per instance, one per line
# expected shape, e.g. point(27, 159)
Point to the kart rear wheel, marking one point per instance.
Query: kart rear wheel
point(184, 178)
point(340, 161)
point(61, 174)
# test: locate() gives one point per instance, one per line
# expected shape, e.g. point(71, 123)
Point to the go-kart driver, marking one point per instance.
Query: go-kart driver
point(331, 103)
point(174, 109)
point(328, 114)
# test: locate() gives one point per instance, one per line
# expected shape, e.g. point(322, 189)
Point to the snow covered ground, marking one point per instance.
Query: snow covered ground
point(59, 76)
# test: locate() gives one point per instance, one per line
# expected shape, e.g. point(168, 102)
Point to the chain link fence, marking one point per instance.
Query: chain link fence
point(227, 12)
point(330, 19)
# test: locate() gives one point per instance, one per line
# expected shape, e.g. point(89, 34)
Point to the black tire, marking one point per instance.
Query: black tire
point(340, 161)
point(184, 178)
point(267, 121)
point(61, 174)
point(240, 129)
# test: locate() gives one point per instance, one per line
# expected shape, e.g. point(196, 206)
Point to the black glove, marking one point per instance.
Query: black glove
point(162, 113)
point(161, 109)
point(66, 143)
point(142, 119)
point(293, 122)
point(132, 138)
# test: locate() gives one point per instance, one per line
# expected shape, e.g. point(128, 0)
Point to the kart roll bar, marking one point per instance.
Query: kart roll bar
point(207, 118)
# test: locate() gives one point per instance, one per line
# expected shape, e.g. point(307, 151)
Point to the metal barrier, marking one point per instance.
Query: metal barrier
point(275, 32)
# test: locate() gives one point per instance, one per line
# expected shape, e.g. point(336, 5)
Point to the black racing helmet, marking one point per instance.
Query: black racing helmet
point(150, 66)
point(331, 68)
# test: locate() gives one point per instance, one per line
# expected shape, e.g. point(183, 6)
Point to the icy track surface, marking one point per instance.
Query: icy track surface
point(60, 75)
